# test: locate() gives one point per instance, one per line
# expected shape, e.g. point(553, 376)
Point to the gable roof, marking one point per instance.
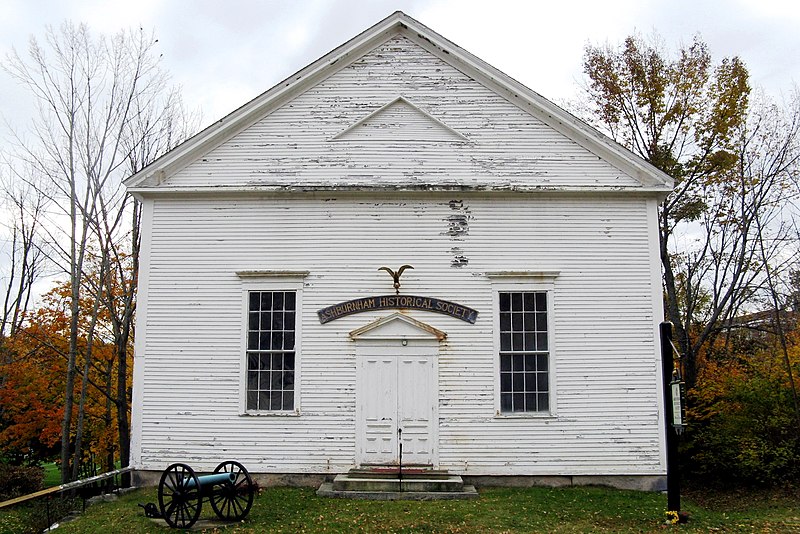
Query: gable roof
point(153, 175)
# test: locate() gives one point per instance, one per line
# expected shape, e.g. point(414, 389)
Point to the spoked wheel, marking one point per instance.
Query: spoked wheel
point(179, 496)
point(232, 500)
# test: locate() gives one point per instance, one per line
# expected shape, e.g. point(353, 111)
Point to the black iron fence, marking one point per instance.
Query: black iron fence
point(41, 509)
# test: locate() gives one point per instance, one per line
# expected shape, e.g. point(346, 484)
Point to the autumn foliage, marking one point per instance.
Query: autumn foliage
point(32, 390)
point(742, 425)
point(31, 396)
point(728, 241)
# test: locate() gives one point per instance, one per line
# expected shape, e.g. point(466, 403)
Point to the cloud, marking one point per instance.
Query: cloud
point(224, 53)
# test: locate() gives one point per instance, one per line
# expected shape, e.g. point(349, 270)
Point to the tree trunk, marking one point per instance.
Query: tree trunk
point(108, 418)
point(74, 308)
point(87, 366)
point(122, 408)
point(672, 307)
point(77, 456)
point(123, 337)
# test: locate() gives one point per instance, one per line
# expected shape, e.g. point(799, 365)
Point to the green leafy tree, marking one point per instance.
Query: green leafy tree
point(684, 114)
point(727, 239)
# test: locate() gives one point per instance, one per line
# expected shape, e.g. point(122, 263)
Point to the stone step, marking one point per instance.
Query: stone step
point(393, 472)
point(467, 492)
point(418, 483)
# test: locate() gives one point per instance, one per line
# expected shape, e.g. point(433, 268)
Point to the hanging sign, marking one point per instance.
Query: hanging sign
point(385, 302)
point(677, 409)
point(678, 390)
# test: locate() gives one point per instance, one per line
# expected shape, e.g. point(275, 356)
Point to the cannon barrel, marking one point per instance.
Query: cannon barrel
point(210, 480)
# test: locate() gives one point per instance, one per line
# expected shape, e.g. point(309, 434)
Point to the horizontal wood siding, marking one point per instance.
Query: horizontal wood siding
point(297, 143)
point(604, 352)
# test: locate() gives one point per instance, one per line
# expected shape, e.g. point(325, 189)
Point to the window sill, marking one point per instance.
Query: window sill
point(526, 415)
point(269, 414)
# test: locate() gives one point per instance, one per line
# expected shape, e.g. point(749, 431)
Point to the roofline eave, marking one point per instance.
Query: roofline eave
point(270, 189)
point(255, 109)
point(399, 23)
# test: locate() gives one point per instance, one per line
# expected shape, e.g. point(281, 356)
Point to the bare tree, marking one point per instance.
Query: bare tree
point(25, 260)
point(101, 102)
point(152, 132)
point(24, 205)
point(744, 235)
point(771, 158)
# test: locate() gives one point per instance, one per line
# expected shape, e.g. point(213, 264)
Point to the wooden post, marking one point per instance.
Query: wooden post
point(673, 466)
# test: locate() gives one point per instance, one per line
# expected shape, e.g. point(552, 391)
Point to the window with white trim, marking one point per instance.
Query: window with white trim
point(271, 339)
point(524, 352)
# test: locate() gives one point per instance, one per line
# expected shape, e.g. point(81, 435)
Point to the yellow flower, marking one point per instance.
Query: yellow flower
point(672, 517)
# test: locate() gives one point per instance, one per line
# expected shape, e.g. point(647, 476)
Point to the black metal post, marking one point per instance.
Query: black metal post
point(673, 467)
point(400, 468)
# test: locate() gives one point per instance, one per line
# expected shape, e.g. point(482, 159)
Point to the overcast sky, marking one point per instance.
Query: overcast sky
point(225, 52)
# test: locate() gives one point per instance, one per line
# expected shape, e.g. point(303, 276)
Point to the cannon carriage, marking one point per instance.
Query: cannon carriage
point(229, 489)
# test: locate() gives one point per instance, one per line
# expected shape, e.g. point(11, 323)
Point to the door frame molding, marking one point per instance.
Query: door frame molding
point(397, 335)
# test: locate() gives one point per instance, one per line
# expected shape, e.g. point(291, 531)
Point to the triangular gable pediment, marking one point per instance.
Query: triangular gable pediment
point(397, 326)
point(399, 120)
point(632, 172)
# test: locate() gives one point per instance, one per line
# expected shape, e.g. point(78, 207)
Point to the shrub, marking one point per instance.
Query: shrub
point(742, 426)
point(18, 480)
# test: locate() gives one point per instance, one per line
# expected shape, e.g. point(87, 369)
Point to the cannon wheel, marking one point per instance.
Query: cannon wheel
point(232, 500)
point(179, 500)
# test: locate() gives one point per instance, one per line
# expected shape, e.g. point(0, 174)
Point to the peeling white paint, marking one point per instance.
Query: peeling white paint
point(280, 198)
point(509, 148)
point(193, 352)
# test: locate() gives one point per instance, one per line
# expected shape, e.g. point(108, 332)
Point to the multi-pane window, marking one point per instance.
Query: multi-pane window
point(524, 353)
point(271, 350)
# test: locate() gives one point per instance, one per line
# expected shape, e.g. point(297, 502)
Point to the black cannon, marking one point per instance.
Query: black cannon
point(230, 490)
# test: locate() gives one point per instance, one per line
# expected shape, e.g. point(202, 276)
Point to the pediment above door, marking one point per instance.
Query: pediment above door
point(397, 326)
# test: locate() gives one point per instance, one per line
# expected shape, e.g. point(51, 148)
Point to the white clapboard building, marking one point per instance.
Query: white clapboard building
point(524, 341)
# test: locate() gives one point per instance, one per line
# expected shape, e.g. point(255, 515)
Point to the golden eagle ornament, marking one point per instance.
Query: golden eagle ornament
point(396, 275)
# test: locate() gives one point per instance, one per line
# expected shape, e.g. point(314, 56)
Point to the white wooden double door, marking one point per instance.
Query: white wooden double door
point(397, 397)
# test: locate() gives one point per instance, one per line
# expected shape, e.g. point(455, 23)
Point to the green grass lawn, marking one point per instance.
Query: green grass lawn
point(52, 475)
point(581, 509)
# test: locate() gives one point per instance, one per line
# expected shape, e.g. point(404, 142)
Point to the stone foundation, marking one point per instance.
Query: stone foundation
point(629, 482)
